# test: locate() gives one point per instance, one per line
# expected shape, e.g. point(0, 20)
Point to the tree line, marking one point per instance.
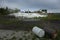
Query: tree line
point(6, 10)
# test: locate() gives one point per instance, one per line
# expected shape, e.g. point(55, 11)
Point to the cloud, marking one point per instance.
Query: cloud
point(33, 4)
point(54, 11)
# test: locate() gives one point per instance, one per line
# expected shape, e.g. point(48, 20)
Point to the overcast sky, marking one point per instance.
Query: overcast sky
point(50, 5)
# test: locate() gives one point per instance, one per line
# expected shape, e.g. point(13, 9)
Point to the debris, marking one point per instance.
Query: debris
point(38, 31)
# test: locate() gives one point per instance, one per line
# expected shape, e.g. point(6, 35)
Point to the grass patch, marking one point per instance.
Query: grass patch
point(52, 18)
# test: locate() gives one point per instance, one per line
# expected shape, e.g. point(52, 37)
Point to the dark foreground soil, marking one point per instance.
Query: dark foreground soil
point(28, 25)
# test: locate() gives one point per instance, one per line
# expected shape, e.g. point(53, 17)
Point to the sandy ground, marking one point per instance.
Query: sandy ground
point(25, 35)
point(10, 34)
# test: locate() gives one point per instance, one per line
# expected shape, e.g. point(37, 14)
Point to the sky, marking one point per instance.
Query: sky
point(32, 5)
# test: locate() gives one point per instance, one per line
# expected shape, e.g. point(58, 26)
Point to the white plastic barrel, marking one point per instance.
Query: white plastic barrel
point(38, 31)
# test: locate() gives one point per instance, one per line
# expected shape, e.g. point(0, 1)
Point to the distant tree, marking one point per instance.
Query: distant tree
point(5, 11)
point(16, 10)
point(44, 10)
point(28, 12)
point(38, 11)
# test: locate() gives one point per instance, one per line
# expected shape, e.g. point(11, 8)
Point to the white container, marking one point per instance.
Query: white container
point(38, 31)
